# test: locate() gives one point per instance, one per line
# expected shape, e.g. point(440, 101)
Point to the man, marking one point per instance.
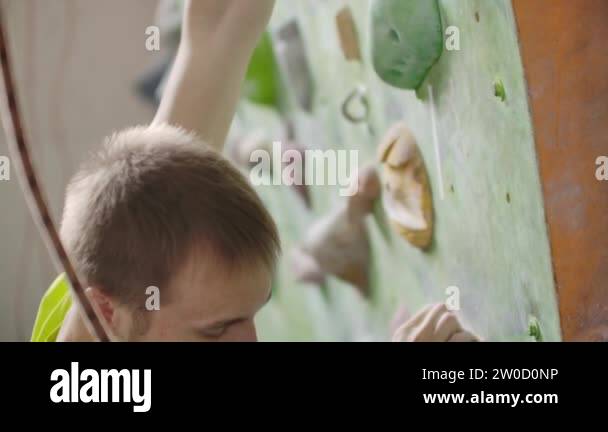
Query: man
point(159, 207)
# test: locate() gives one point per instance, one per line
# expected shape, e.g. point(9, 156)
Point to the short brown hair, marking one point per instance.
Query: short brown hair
point(154, 195)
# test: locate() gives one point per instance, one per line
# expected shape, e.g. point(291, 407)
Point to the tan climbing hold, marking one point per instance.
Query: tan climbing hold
point(338, 244)
point(349, 37)
point(407, 195)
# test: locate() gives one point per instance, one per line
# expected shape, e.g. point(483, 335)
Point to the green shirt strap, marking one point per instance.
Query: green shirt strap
point(52, 311)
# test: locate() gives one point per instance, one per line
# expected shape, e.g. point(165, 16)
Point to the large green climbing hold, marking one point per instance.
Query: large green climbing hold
point(407, 40)
point(261, 83)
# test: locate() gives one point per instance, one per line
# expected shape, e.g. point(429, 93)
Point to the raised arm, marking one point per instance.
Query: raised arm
point(204, 86)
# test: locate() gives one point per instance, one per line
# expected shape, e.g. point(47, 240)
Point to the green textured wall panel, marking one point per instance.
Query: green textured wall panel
point(490, 236)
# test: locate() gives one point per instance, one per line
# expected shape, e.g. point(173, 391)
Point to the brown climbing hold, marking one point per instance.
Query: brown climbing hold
point(338, 244)
point(243, 147)
point(349, 38)
point(407, 196)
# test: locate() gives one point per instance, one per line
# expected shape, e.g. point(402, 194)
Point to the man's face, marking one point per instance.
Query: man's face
point(208, 302)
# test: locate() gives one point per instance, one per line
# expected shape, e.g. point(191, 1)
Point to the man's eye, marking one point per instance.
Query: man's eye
point(214, 332)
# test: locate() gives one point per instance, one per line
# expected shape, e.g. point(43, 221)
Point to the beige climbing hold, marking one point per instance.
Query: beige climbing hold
point(407, 196)
point(349, 37)
point(338, 244)
point(242, 148)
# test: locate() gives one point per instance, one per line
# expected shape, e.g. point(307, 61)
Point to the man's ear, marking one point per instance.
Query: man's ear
point(104, 306)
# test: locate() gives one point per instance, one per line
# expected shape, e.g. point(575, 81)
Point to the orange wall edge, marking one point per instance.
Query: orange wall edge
point(563, 45)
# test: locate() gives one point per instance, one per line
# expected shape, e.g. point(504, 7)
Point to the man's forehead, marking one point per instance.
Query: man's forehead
point(208, 285)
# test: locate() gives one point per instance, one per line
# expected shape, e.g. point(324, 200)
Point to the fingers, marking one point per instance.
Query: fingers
point(434, 323)
point(426, 331)
point(406, 331)
point(420, 315)
point(401, 317)
point(447, 327)
point(464, 336)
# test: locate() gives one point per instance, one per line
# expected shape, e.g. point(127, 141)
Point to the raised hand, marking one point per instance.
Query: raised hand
point(204, 87)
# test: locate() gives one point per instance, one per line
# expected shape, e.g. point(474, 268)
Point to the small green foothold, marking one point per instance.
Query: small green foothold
point(534, 329)
point(499, 90)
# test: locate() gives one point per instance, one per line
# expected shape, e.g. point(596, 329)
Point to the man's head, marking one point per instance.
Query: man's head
point(157, 208)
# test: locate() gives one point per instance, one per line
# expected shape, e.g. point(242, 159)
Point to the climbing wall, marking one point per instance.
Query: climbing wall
point(472, 123)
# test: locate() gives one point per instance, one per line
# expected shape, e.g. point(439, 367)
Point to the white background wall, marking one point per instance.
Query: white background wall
point(76, 62)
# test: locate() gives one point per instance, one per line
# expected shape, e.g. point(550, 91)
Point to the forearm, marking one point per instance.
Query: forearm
point(199, 98)
point(241, 21)
point(205, 83)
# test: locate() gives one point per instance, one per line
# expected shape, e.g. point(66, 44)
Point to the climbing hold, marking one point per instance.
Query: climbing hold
point(293, 63)
point(358, 95)
point(242, 148)
point(339, 244)
point(148, 86)
point(349, 37)
point(407, 40)
point(407, 196)
point(261, 82)
point(499, 90)
point(534, 330)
